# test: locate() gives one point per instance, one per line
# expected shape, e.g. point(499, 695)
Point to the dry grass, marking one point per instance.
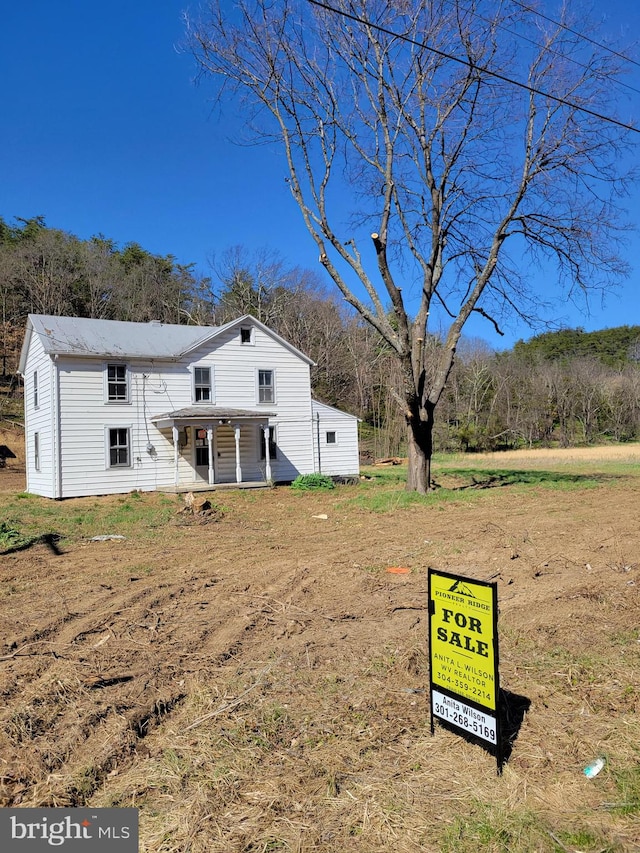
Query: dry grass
point(262, 685)
point(615, 453)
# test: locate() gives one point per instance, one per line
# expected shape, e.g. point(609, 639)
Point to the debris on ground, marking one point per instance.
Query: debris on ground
point(200, 508)
point(107, 537)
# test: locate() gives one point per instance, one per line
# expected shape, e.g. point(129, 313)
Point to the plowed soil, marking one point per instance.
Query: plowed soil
point(259, 681)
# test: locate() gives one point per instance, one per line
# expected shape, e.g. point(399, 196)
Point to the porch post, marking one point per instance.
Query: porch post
point(175, 432)
point(210, 446)
point(236, 430)
point(267, 458)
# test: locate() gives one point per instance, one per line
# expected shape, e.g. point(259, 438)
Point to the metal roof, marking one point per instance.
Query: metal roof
point(82, 336)
point(116, 338)
point(211, 413)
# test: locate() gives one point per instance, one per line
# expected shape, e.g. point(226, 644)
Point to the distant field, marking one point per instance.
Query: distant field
point(562, 456)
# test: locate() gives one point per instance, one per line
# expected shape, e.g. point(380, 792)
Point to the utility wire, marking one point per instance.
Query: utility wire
point(532, 89)
point(557, 52)
point(575, 32)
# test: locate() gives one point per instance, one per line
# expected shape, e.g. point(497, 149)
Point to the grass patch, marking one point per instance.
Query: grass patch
point(388, 500)
point(627, 782)
point(383, 489)
point(500, 830)
point(496, 829)
point(584, 840)
point(487, 478)
point(31, 517)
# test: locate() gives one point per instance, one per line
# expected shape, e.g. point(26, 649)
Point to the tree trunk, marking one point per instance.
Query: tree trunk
point(420, 448)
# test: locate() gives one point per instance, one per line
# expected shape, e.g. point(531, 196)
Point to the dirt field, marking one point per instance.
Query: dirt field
point(260, 682)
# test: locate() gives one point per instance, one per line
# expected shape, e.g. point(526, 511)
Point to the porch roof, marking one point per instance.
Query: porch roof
point(207, 414)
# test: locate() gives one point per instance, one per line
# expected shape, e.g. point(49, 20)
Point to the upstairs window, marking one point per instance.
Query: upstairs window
point(265, 386)
point(35, 389)
point(119, 455)
point(117, 383)
point(202, 384)
point(331, 437)
point(245, 335)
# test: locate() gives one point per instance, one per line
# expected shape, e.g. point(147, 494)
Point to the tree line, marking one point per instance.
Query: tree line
point(567, 387)
point(525, 397)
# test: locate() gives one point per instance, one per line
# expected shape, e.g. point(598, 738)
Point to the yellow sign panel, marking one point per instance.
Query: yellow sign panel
point(463, 641)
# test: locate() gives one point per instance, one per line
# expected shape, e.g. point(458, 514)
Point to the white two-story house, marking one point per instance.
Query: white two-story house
point(112, 407)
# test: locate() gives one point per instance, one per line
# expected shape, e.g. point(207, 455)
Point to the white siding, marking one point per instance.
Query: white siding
point(40, 419)
point(86, 417)
point(161, 387)
point(342, 457)
point(236, 386)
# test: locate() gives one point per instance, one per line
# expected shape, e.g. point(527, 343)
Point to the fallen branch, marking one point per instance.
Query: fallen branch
point(229, 705)
point(18, 652)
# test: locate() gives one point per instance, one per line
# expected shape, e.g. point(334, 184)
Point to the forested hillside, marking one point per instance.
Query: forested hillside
point(615, 347)
point(567, 387)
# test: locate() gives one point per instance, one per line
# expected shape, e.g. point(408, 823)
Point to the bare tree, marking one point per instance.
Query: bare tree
point(47, 269)
point(250, 282)
point(100, 274)
point(295, 303)
point(407, 114)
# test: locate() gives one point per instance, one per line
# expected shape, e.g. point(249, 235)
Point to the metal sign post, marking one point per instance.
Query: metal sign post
point(463, 655)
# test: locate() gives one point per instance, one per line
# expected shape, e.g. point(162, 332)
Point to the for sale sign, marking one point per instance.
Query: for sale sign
point(463, 651)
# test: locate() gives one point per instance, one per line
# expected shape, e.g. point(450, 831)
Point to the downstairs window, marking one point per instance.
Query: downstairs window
point(119, 443)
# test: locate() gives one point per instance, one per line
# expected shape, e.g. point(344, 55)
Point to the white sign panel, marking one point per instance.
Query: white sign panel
point(465, 717)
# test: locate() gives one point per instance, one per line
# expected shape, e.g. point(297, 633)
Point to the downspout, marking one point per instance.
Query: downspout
point(56, 444)
point(318, 438)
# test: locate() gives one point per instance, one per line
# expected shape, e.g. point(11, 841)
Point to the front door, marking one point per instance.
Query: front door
point(202, 455)
point(225, 454)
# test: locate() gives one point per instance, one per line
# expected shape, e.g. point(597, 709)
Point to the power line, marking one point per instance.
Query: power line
point(575, 32)
point(557, 52)
point(531, 89)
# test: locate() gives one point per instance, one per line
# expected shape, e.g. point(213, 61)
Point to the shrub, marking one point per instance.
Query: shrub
point(307, 482)
point(11, 539)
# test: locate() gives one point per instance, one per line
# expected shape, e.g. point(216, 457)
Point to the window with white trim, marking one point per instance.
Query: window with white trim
point(331, 437)
point(117, 383)
point(119, 447)
point(266, 389)
point(35, 389)
point(36, 451)
point(246, 336)
point(273, 444)
point(202, 385)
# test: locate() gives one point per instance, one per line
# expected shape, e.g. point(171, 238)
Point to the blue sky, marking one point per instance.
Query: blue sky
point(102, 130)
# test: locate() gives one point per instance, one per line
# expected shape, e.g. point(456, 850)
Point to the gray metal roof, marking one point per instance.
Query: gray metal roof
point(211, 413)
point(82, 336)
point(115, 338)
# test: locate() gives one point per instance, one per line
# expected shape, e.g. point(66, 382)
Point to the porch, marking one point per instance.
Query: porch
point(218, 448)
point(216, 487)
